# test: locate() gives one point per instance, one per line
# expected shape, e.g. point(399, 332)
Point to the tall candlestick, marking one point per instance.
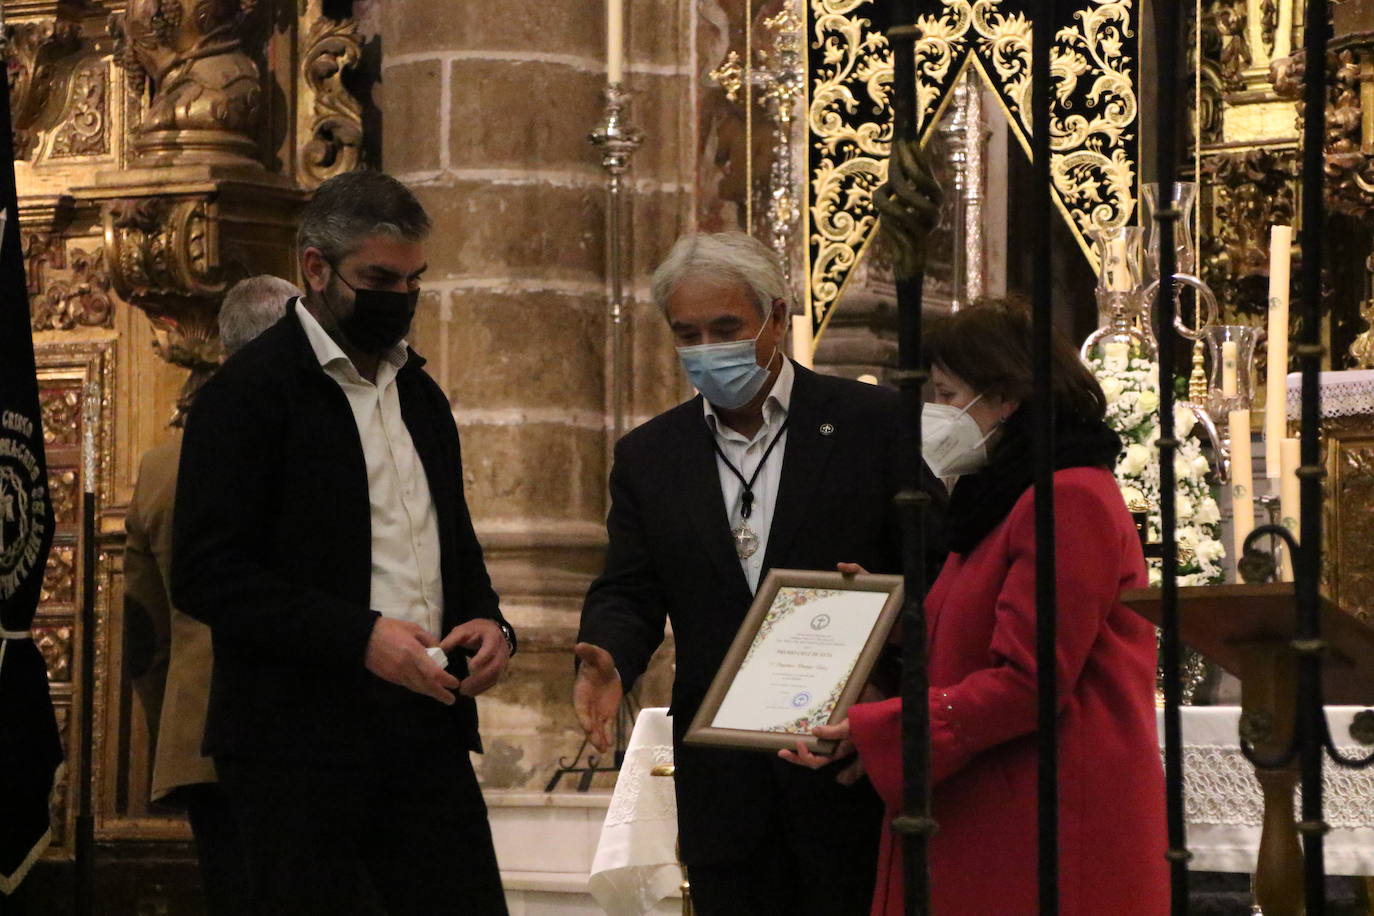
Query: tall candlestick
point(803, 346)
point(615, 41)
point(1228, 368)
point(1242, 482)
point(1289, 498)
point(1276, 387)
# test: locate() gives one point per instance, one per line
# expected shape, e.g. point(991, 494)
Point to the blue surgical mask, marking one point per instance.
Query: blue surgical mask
point(727, 374)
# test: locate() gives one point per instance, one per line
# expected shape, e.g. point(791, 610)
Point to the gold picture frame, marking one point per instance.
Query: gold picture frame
point(786, 673)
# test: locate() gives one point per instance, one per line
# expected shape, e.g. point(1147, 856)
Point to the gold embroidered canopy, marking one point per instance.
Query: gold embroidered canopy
point(1094, 116)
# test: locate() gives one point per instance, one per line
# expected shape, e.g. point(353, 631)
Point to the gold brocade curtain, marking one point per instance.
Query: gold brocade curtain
point(1095, 118)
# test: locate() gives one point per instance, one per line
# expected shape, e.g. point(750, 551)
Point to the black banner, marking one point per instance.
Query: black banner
point(32, 751)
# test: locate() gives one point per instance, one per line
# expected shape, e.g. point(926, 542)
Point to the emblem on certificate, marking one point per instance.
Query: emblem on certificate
point(800, 659)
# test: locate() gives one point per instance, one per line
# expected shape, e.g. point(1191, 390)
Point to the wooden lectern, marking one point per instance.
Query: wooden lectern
point(1248, 630)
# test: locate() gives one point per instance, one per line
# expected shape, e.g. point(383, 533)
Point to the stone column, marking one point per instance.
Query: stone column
point(486, 111)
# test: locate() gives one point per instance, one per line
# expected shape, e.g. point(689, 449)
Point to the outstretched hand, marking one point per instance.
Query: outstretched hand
point(597, 692)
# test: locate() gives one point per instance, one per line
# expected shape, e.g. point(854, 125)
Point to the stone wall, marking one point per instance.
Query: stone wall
point(486, 111)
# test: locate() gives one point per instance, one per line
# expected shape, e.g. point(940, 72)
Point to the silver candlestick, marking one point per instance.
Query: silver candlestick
point(617, 140)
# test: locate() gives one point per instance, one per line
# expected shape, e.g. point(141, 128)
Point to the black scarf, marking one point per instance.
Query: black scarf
point(980, 501)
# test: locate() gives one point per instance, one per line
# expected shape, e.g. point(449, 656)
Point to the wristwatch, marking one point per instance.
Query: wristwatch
point(508, 632)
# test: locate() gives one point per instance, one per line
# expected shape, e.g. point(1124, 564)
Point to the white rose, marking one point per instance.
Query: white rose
point(1183, 507)
point(1135, 459)
point(1156, 577)
point(1184, 421)
point(1200, 465)
point(1112, 388)
point(1210, 550)
point(1148, 401)
point(1209, 513)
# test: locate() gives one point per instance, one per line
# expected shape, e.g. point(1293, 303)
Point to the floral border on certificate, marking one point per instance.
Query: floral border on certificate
point(787, 600)
point(816, 715)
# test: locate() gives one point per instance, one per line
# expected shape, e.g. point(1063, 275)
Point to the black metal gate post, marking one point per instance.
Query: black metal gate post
point(915, 824)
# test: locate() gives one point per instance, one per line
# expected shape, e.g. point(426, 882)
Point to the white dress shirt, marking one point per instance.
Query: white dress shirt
point(406, 583)
point(745, 455)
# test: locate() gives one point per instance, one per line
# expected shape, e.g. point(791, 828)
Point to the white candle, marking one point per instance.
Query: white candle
point(1116, 355)
point(1289, 497)
point(803, 347)
point(1276, 387)
point(615, 41)
point(1242, 483)
point(1118, 277)
point(1228, 368)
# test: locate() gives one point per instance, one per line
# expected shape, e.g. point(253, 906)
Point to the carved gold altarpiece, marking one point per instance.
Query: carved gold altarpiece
point(165, 149)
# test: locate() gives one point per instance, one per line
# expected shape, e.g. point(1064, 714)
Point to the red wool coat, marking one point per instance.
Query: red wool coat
point(981, 625)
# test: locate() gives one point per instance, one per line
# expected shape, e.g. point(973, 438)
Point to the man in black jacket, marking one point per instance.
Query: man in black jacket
point(322, 532)
point(775, 466)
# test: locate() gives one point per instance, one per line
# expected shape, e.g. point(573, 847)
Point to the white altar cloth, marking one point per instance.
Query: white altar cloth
point(1224, 808)
point(636, 865)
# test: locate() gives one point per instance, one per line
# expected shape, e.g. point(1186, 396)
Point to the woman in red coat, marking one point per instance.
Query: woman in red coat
point(980, 617)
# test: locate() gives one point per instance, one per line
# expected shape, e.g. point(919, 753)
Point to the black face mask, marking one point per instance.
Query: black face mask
point(380, 317)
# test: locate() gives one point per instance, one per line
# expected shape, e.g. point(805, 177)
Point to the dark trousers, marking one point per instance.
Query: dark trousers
point(219, 849)
point(406, 835)
point(819, 855)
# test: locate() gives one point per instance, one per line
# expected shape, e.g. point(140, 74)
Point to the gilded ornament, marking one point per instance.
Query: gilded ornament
point(66, 289)
point(1251, 191)
point(55, 642)
point(205, 98)
point(84, 130)
point(59, 579)
point(1349, 145)
point(61, 408)
point(335, 131)
point(33, 51)
point(64, 497)
point(1232, 19)
point(1094, 121)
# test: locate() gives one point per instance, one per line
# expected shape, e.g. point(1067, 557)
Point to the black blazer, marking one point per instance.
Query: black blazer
point(671, 556)
point(272, 549)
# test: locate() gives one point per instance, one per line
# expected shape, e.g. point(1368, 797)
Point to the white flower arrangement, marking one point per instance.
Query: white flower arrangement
point(1133, 412)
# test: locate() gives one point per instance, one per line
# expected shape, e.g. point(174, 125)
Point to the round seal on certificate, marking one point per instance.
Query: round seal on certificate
point(820, 622)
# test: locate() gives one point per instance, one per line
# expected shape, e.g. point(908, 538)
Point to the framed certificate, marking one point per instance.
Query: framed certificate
point(800, 659)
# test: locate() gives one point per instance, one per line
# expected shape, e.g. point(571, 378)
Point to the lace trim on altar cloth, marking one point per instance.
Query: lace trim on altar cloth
point(639, 795)
point(1344, 394)
point(1221, 788)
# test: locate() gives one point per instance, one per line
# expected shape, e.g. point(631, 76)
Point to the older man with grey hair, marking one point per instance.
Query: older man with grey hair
point(175, 686)
point(252, 306)
point(322, 533)
point(770, 466)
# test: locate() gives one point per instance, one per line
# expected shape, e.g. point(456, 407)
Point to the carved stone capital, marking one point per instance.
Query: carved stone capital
point(205, 94)
point(33, 52)
point(332, 125)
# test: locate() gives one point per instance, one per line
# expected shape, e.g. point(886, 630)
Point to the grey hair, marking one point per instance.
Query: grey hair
point(729, 257)
point(252, 306)
point(352, 206)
